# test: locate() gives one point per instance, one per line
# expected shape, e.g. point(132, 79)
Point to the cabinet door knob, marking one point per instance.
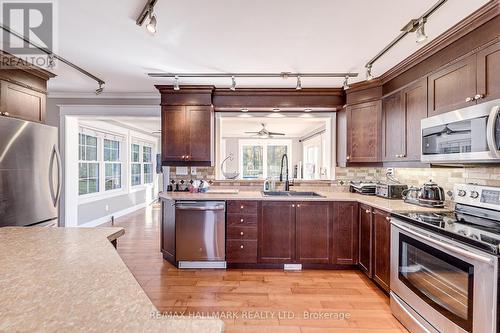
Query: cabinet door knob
point(241, 207)
point(241, 220)
point(469, 99)
point(367, 211)
point(348, 157)
point(478, 96)
point(241, 246)
point(298, 206)
point(388, 218)
point(242, 233)
point(6, 114)
point(183, 156)
point(187, 157)
point(293, 205)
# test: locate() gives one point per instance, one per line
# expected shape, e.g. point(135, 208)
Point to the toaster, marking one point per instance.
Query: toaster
point(390, 190)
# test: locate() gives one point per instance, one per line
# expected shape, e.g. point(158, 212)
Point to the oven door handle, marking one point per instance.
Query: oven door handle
point(490, 131)
point(447, 246)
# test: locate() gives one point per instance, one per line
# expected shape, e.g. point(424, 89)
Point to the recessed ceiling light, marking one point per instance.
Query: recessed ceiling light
point(276, 110)
point(244, 110)
point(308, 110)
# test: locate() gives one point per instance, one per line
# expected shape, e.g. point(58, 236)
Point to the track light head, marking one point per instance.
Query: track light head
point(233, 83)
point(51, 64)
point(99, 90)
point(176, 83)
point(151, 26)
point(421, 36)
point(346, 82)
point(299, 83)
point(369, 75)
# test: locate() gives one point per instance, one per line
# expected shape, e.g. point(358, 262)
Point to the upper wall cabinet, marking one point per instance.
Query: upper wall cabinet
point(187, 135)
point(187, 123)
point(452, 87)
point(402, 113)
point(488, 72)
point(364, 122)
point(474, 79)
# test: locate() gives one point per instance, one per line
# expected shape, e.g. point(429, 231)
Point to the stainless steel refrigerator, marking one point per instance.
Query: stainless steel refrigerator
point(30, 173)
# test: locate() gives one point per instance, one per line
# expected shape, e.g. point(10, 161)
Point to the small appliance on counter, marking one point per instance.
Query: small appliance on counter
point(429, 195)
point(390, 190)
point(366, 188)
point(444, 267)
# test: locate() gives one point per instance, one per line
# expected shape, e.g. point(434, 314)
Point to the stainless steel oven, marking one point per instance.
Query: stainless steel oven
point(469, 135)
point(439, 284)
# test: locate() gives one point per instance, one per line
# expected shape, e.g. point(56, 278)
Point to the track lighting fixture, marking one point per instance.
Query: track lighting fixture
point(176, 83)
point(51, 63)
point(299, 83)
point(151, 26)
point(346, 83)
point(369, 72)
point(421, 36)
point(99, 90)
point(233, 83)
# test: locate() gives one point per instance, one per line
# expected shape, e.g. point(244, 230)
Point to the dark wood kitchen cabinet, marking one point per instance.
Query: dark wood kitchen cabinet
point(241, 232)
point(277, 232)
point(381, 249)
point(314, 229)
point(21, 102)
point(364, 132)
point(402, 114)
point(187, 135)
point(345, 233)
point(167, 230)
point(488, 73)
point(393, 128)
point(452, 87)
point(365, 239)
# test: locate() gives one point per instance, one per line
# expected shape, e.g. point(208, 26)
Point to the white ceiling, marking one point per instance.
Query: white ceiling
point(236, 36)
point(291, 126)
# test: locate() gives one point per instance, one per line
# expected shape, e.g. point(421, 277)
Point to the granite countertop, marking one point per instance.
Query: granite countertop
point(72, 279)
point(373, 201)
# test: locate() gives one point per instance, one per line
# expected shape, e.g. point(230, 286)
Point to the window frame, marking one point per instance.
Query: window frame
point(119, 162)
point(142, 143)
point(88, 162)
point(264, 143)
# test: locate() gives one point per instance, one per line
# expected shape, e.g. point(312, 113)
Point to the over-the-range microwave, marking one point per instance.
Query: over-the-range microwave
point(468, 135)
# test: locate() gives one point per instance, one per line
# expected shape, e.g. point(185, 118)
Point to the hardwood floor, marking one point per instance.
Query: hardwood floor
point(254, 300)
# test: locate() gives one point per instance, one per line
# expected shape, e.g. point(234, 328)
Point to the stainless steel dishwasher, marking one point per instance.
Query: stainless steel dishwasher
point(200, 229)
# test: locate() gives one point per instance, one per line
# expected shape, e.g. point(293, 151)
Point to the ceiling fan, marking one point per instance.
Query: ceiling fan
point(264, 133)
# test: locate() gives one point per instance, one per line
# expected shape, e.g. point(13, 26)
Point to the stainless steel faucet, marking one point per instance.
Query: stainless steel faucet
point(287, 183)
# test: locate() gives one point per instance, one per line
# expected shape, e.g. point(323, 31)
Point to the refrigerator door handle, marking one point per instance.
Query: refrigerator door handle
point(59, 174)
point(55, 156)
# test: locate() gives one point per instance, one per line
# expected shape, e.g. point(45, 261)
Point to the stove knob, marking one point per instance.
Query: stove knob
point(461, 193)
point(474, 194)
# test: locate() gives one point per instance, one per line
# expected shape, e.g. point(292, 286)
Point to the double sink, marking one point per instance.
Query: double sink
point(291, 194)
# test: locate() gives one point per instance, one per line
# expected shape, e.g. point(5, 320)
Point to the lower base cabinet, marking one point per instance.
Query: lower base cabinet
point(381, 249)
point(345, 233)
point(374, 245)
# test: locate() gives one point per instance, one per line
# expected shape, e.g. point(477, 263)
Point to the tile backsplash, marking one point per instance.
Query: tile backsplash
point(444, 177)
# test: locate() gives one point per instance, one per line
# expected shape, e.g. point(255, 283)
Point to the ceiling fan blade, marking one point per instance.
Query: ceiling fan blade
point(273, 133)
point(252, 132)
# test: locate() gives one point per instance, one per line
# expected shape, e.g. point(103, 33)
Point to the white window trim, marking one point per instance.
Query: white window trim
point(264, 143)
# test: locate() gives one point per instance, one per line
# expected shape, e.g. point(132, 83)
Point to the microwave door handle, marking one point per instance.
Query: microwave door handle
point(447, 246)
point(490, 131)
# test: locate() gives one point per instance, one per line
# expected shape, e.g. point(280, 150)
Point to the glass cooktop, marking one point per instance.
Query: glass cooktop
point(467, 225)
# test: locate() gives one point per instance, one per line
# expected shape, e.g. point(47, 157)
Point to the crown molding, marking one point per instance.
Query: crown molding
point(104, 95)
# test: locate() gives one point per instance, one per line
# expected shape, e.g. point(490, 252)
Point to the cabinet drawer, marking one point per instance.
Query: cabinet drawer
point(241, 251)
point(242, 207)
point(241, 220)
point(235, 233)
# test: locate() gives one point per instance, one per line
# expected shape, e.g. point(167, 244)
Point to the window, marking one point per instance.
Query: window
point(136, 165)
point(88, 167)
point(260, 159)
point(141, 164)
point(147, 158)
point(112, 165)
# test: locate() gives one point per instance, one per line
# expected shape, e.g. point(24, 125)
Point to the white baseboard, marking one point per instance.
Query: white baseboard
point(107, 218)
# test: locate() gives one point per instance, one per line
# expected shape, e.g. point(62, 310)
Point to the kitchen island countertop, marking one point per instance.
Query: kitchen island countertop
point(387, 205)
point(72, 279)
